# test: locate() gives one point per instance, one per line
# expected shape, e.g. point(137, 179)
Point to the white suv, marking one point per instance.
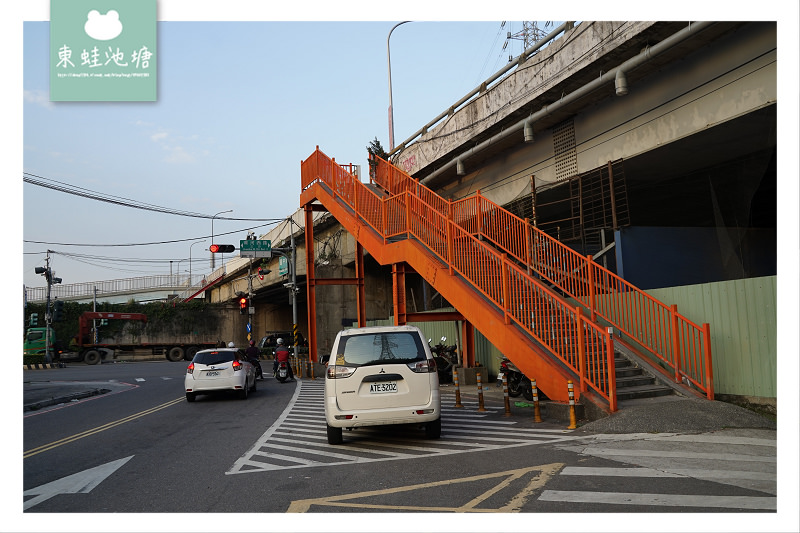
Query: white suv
point(380, 376)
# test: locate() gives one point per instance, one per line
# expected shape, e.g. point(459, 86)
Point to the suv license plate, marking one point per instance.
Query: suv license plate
point(212, 373)
point(380, 388)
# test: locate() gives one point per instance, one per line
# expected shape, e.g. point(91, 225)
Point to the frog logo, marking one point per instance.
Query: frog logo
point(103, 27)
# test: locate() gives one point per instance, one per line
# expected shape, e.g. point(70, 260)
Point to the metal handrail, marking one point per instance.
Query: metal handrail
point(122, 285)
point(521, 298)
point(682, 345)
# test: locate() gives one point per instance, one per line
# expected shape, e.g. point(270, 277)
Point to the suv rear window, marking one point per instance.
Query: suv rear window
point(381, 348)
point(214, 358)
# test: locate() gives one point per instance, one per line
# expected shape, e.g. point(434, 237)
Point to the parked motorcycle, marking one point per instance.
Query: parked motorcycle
point(518, 384)
point(445, 357)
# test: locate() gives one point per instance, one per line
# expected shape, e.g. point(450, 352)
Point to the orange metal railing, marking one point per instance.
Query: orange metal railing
point(582, 346)
point(682, 345)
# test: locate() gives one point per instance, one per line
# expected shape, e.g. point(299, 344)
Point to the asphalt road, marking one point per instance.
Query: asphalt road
point(140, 448)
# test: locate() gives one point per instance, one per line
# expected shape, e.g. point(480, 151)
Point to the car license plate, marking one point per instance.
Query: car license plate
point(212, 373)
point(380, 388)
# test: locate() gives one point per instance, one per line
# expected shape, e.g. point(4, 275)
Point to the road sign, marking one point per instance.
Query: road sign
point(255, 248)
point(249, 327)
point(283, 265)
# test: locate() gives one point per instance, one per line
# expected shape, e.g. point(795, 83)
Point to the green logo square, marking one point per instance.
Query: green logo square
point(103, 50)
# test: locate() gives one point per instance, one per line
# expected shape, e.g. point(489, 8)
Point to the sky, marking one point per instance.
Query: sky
point(240, 104)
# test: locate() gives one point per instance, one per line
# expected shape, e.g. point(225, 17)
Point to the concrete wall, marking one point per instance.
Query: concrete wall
point(715, 84)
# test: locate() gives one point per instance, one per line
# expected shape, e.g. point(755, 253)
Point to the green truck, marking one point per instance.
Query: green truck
point(35, 339)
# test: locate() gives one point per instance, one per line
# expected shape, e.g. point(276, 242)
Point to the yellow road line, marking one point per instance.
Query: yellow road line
point(540, 475)
point(89, 432)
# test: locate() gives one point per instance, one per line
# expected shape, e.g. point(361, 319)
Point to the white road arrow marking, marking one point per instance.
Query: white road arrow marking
point(139, 379)
point(80, 483)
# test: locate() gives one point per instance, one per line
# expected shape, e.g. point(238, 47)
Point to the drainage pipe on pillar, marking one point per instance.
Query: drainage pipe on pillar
point(617, 75)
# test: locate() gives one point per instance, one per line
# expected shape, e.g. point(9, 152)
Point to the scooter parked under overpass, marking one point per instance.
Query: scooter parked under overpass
point(518, 384)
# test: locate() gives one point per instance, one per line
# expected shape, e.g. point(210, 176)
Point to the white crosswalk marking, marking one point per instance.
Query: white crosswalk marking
point(298, 438)
point(661, 500)
point(721, 457)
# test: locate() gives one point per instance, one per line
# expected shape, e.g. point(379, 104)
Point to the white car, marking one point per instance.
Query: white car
point(219, 369)
point(381, 376)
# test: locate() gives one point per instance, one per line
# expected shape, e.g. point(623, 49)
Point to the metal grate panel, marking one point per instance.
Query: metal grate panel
point(564, 147)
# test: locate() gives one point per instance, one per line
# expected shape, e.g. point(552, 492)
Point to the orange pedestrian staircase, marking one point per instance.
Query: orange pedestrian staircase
point(547, 308)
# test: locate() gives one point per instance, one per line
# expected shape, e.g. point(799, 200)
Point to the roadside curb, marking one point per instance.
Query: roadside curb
point(43, 366)
point(64, 399)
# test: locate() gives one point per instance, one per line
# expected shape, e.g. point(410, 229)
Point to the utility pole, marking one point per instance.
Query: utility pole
point(48, 317)
point(290, 254)
point(294, 292)
point(249, 300)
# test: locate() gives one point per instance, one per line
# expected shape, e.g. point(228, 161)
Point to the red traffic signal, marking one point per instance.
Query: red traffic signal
point(243, 305)
point(221, 248)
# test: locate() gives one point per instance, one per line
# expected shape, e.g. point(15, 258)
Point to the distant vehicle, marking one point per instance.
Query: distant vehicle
point(83, 347)
point(219, 370)
point(381, 376)
point(268, 341)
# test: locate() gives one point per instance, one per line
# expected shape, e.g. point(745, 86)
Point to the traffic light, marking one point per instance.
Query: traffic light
point(34, 320)
point(58, 311)
point(221, 248)
point(243, 305)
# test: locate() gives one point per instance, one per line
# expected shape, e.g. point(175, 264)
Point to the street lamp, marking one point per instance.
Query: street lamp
point(389, 65)
point(190, 259)
point(212, 233)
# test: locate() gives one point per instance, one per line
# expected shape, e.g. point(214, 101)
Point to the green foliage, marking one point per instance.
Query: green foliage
point(162, 317)
point(375, 149)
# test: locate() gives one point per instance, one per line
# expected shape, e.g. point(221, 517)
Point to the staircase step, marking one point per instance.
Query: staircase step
point(643, 391)
point(629, 382)
point(627, 371)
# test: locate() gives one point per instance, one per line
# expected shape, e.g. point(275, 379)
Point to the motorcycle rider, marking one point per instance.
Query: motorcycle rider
point(252, 353)
point(282, 355)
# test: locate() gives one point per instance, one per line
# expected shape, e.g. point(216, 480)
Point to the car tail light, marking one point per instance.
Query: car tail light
point(237, 365)
point(336, 372)
point(422, 367)
point(190, 370)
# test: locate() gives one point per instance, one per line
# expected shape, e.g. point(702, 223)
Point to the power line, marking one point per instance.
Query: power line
point(274, 221)
point(55, 185)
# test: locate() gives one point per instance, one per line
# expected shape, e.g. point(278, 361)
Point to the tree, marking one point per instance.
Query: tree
point(375, 149)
